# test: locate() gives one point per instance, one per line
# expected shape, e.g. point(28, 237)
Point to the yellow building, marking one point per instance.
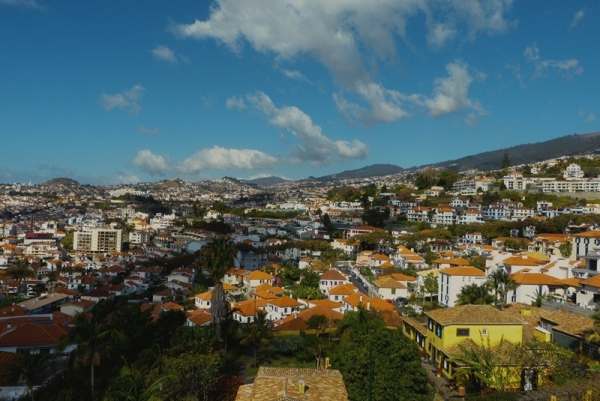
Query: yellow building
point(482, 324)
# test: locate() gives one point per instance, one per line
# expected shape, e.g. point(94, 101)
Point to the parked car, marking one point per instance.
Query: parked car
point(402, 301)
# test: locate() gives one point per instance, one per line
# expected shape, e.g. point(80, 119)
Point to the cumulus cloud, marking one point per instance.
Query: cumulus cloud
point(34, 5)
point(336, 34)
point(127, 178)
point(218, 158)
point(127, 100)
point(151, 163)
point(314, 147)
point(451, 94)
point(215, 158)
point(565, 67)
point(148, 131)
point(577, 18)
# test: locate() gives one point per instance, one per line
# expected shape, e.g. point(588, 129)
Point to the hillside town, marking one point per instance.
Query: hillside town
point(453, 263)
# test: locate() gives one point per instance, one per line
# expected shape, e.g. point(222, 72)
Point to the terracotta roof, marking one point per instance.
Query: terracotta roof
point(204, 296)
point(201, 319)
point(326, 303)
point(31, 335)
point(332, 275)
point(388, 282)
point(472, 314)
point(589, 234)
point(264, 295)
point(521, 261)
point(357, 299)
point(463, 271)
point(343, 289)
point(258, 275)
point(284, 302)
point(272, 383)
point(535, 279)
point(249, 307)
point(570, 323)
point(400, 277)
point(380, 305)
point(592, 281)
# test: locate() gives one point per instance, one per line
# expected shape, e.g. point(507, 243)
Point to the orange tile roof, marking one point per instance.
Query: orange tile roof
point(535, 279)
point(258, 275)
point(472, 314)
point(284, 302)
point(262, 294)
point(343, 289)
point(204, 296)
point(592, 281)
point(463, 271)
point(589, 234)
point(332, 275)
point(521, 261)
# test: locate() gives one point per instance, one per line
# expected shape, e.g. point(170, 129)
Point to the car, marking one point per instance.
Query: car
point(359, 280)
point(402, 301)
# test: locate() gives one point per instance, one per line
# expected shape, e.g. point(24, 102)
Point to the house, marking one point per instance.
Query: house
point(331, 278)
point(281, 307)
point(452, 280)
point(199, 317)
point(337, 294)
point(245, 311)
point(40, 336)
point(202, 301)
point(387, 288)
point(255, 278)
point(480, 324)
point(74, 307)
point(534, 285)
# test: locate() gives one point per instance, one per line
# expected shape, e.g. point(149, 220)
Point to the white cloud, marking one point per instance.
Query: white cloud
point(24, 3)
point(451, 94)
point(151, 163)
point(295, 75)
point(164, 53)
point(314, 147)
point(127, 178)
point(218, 158)
point(215, 158)
point(235, 103)
point(148, 131)
point(590, 118)
point(336, 33)
point(565, 67)
point(578, 17)
point(127, 100)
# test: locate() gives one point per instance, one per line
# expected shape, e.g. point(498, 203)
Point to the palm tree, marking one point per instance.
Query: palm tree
point(217, 257)
point(502, 284)
point(256, 332)
point(474, 294)
point(92, 340)
point(26, 367)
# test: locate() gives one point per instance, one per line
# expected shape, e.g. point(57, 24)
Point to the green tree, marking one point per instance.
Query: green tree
point(217, 257)
point(196, 374)
point(474, 294)
point(256, 333)
point(93, 341)
point(27, 367)
point(505, 163)
point(565, 249)
point(430, 284)
point(370, 357)
point(502, 284)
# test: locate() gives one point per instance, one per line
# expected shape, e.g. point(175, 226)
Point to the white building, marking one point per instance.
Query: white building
point(452, 280)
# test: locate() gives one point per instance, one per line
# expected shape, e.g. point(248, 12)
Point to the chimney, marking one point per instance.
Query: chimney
point(524, 256)
point(8, 325)
point(301, 386)
point(360, 299)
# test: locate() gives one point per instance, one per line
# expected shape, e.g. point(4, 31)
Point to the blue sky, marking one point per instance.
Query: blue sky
point(114, 91)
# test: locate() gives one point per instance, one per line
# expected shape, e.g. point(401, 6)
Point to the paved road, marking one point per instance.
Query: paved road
point(358, 285)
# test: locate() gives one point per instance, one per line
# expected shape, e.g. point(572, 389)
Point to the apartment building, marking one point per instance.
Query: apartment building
point(98, 240)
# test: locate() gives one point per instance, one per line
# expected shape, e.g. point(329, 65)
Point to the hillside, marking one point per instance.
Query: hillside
point(373, 170)
point(265, 181)
point(529, 153)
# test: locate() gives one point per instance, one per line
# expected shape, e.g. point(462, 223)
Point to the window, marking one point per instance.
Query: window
point(430, 324)
point(462, 332)
point(393, 291)
point(484, 332)
point(438, 331)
